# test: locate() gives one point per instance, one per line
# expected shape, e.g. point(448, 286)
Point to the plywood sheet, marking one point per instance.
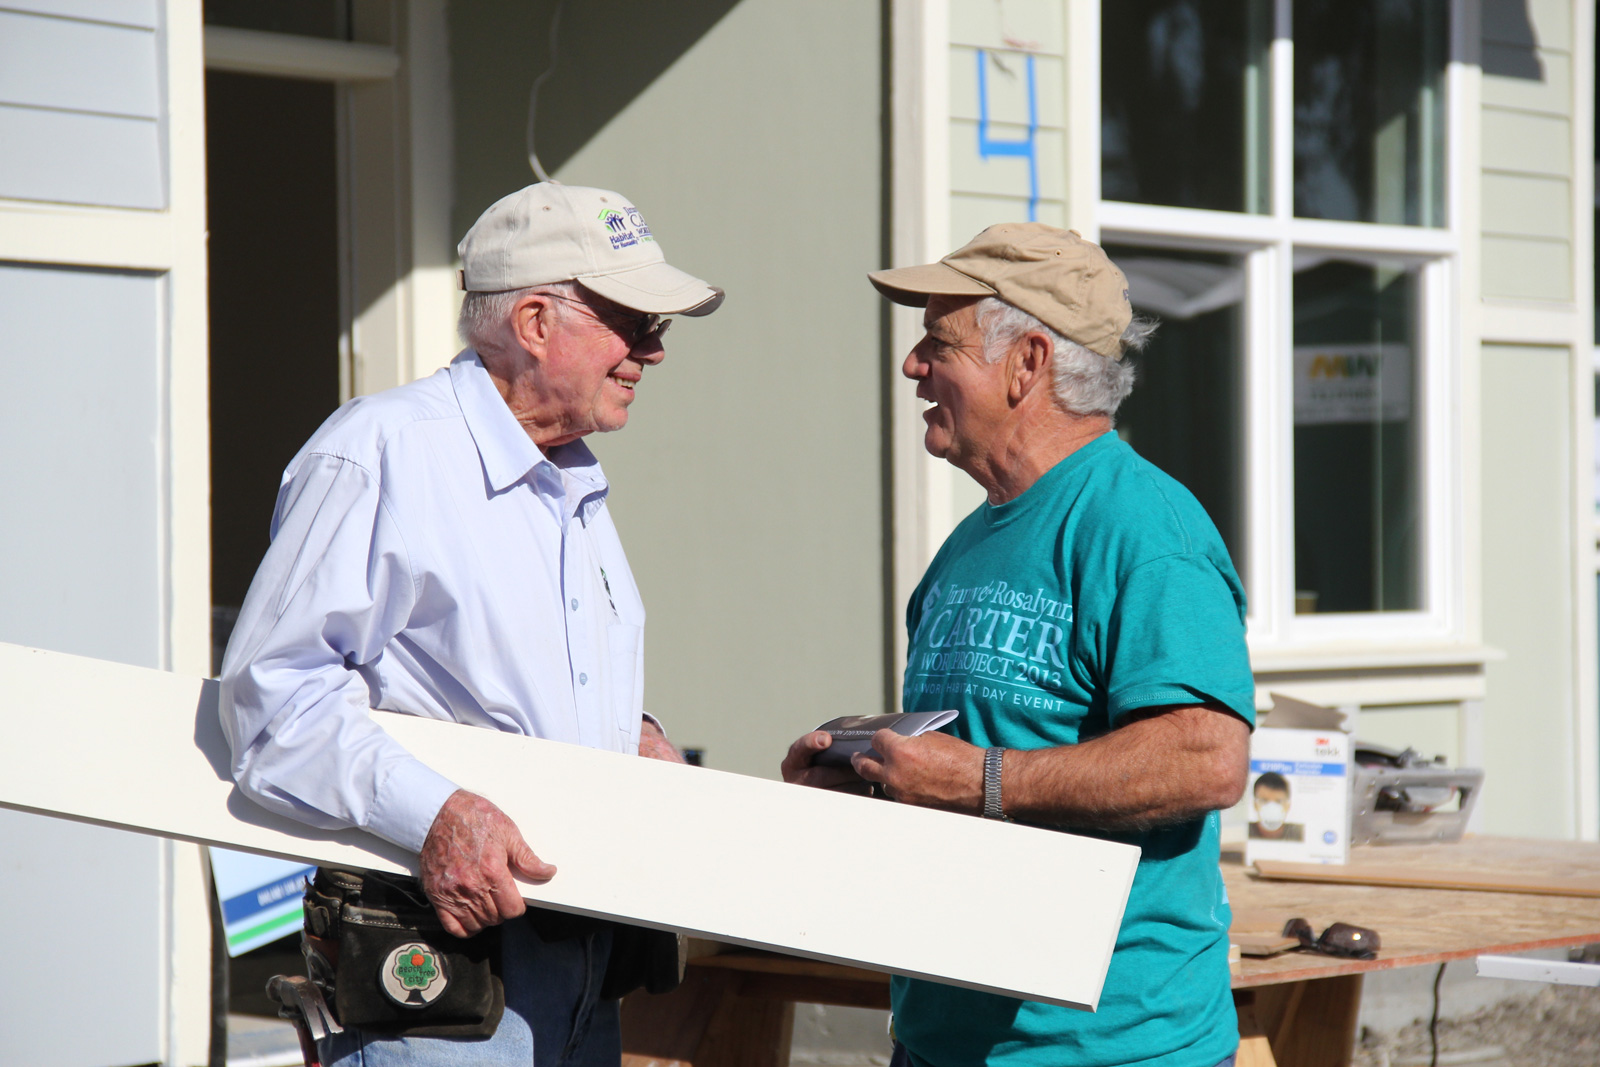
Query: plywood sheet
point(1423, 926)
point(738, 859)
point(1412, 878)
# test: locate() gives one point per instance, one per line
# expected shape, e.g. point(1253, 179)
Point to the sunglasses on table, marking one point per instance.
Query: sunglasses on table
point(1340, 939)
point(639, 328)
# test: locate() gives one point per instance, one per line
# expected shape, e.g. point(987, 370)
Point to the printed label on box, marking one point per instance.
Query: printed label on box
point(1299, 796)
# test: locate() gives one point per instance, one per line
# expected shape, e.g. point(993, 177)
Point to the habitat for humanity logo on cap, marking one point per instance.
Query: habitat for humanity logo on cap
point(625, 228)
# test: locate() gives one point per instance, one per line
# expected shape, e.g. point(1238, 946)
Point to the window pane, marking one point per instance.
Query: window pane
point(1186, 412)
point(1184, 112)
point(1368, 111)
point(1357, 432)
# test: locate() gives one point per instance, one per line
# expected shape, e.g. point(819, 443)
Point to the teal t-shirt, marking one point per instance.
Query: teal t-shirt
point(1046, 620)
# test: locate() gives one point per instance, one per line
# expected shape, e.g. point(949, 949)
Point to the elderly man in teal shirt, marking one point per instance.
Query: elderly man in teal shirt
point(1088, 624)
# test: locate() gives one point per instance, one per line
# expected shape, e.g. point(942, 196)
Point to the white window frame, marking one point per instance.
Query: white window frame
point(1267, 244)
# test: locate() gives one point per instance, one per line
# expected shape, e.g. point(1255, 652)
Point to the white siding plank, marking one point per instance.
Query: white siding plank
point(1552, 22)
point(1008, 93)
point(1523, 268)
point(971, 214)
point(1552, 94)
point(1035, 24)
point(1005, 175)
point(70, 158)
point(124, 12)
point(1519, 205)
point(1522, 143)
point(1546, 22)
point(79, 66)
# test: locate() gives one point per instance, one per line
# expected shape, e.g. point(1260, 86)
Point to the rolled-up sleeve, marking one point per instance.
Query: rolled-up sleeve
point(335, 586)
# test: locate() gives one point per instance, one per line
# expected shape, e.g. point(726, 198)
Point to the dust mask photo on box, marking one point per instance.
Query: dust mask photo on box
point(1270, 797)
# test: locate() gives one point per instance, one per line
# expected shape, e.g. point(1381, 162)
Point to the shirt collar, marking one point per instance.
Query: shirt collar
point(507, 452)
point(583, 481)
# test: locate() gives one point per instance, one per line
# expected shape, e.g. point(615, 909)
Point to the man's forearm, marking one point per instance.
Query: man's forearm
point(1161, 769)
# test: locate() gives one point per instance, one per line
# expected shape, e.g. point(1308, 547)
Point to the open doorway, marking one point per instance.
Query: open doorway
point(275, 281)
point(272, 181)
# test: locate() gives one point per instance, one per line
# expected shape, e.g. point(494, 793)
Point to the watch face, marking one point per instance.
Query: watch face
point(414, 975)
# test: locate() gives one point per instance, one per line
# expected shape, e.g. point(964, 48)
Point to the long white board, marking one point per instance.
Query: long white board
point(987, 905)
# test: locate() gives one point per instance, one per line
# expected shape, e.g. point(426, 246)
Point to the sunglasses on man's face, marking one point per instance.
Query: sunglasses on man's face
point(639, 328)
point(649, 328)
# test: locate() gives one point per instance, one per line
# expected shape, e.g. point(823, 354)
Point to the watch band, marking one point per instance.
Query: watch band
point(993, 759)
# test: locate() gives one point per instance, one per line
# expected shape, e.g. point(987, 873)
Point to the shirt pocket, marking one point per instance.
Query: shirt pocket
point(625, 646)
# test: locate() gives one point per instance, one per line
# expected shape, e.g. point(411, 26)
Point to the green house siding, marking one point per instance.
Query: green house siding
point(1527, 138)
point(748, 485)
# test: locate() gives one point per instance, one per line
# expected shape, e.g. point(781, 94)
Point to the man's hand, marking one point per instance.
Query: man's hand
point(932, 770)
point(1161, 767)
point(798, 768)
point(653, 744)
point(468, 862)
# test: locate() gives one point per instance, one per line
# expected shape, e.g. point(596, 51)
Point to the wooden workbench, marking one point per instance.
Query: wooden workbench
point(1306, 1005)
point(737, 1008)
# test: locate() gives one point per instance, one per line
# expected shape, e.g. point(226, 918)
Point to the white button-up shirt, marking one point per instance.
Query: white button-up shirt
point(427, 558)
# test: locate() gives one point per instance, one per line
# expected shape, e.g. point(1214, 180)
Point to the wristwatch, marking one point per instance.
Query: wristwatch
point(992, 760)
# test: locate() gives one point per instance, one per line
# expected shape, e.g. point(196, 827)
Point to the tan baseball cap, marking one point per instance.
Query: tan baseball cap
point(551, 232)
point(1065, 282)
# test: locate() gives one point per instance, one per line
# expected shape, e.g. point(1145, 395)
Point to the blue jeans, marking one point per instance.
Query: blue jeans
point(554, 1015)
point(902, 1058)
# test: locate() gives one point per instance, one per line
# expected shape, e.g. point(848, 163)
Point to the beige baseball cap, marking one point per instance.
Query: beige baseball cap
point(551, 232)
point(1064, 281)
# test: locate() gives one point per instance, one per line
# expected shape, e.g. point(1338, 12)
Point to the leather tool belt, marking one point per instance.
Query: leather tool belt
point(374, 946)
point(376, 941)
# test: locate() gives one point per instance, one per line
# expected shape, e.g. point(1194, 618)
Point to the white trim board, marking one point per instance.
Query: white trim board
point(1523, 969)
point(287, 55)
point(734, 858)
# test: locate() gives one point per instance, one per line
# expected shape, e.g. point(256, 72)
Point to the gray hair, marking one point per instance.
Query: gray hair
point(484, 315)
point(1086, 383)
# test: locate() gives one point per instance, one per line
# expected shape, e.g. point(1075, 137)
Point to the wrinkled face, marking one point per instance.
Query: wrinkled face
point(968, 394)
point(594, 365)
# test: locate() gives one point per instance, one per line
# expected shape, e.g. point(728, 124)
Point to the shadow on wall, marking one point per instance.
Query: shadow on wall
point(1510, 49)
point(610, 52)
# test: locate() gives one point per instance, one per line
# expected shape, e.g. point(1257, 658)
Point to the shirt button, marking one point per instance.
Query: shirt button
point(583, 679)
point(574, 603)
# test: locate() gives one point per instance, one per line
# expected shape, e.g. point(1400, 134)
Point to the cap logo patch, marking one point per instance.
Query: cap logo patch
point(625, 228)
point(413, 975)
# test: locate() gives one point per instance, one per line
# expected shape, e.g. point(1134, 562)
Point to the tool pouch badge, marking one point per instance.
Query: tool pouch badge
point(397, 970)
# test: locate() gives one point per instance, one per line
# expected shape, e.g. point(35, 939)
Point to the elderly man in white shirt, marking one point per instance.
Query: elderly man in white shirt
point(444, 549)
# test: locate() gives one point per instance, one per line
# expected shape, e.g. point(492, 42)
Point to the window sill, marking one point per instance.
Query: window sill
point(1357, 655)
point(1352, 673)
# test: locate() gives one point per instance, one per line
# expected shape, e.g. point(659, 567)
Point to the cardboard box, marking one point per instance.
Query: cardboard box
point(1298, 794)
